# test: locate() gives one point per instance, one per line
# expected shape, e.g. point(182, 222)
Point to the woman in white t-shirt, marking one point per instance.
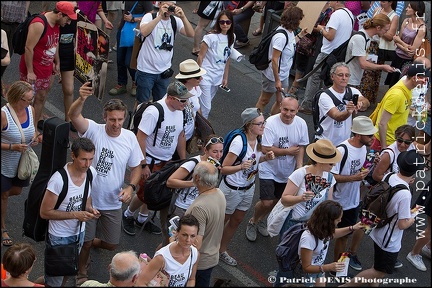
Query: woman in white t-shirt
point(238, 182)
point(213, 150)
point(214, 57)
point(314, 242)
point(405, 136)
point(178, 259)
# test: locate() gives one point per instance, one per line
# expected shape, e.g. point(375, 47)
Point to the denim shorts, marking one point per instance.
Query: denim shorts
point(150, 85)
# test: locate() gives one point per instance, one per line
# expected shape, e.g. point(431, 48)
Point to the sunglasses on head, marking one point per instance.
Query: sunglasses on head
point(407, 142)
point(215, 140)
point(227, 22)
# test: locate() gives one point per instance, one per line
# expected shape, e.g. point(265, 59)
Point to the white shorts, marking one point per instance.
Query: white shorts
point(237, 199)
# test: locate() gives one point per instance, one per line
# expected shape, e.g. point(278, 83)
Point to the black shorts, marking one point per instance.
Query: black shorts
point(384, 261)
point(203, 5)
point(270, 189)
point(7, 183)
point(349, 217)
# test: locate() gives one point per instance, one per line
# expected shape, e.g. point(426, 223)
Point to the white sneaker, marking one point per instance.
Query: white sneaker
point(417, 261)
point(426, 251)
point(262, 228)
point(227, 259)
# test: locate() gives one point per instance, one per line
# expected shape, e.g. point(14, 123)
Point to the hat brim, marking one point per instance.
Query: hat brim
point(335, 159)
point(186, 96)
point(369, 132)
point(73, 16)
point(183, 76)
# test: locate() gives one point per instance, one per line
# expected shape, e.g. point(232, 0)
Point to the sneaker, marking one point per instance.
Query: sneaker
point(426, 251)
point(128, 225)
point(398, 264)
point(150, 227)
point(251, 231)
point(417, 261)
point(239, 44)
point(355, 263)
point(262, 228)
point(227, 259)
point(119, 89)
point(139, 224)
point(133, 90)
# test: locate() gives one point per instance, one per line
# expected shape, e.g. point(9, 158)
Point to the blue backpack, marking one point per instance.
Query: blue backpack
point(227, 142)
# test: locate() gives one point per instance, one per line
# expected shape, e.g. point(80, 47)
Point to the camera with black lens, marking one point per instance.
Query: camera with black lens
point(171, 8)
point(166, 46)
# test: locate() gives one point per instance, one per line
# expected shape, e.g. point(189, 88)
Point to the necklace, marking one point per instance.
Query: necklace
point(206, 191)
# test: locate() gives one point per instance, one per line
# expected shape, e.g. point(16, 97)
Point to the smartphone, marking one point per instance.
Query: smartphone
point(355, 99)
point(226, 89)
point(90, 83)
point(34, 139)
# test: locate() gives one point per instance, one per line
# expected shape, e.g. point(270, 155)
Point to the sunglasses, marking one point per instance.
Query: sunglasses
point(180, 100)
point(215, 140)
point(227, 22)
point(407, 142)
point(28, 100)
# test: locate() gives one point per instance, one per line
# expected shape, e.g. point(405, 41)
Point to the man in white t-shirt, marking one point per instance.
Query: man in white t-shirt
point(335, 120)
point(64, 221)
point(285, 134)
point(169, 137)
point(337, 31)
point(388, 239)
point(117, 150)
point(156, 52)
point(349, 173)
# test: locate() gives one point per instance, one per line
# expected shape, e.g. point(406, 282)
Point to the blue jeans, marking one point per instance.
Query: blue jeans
point(150, 84)
point(56, 281)
point(123, 60)
point(202, 277)
point(238, 18)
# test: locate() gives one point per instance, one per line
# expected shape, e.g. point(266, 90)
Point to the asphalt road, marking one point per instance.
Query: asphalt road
point(256, 261)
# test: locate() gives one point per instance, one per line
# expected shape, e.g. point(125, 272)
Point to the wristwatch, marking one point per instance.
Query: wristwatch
point(242, 8)
point(133, 186)
point(133, 19)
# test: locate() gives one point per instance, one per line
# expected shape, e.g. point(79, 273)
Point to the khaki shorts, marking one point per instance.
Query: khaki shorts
point(269, 86)
point(107, 227)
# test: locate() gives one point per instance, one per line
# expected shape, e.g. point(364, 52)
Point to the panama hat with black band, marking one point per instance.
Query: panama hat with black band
point(323, 151)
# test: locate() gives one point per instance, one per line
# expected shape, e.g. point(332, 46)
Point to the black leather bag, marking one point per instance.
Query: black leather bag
point(167, 73)
point(62, 260)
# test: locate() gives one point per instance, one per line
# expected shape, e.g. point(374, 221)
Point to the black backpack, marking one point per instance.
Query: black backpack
point(315, 108)
point(259, 55)
point(136, 116)
point(156, 194)
point(287, 250)
point(376, 199)
point(19, 37)
point(337, 55)
point(38, 230)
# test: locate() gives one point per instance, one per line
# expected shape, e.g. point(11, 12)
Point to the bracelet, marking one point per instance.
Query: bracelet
point(321, 31)
point(321, 269)
point(10, 147)
point(133, 19)
point(351, 228)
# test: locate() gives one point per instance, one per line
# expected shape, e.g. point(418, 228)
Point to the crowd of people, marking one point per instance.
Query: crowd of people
point(213, 202)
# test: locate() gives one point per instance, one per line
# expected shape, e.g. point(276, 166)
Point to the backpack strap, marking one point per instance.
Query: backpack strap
point(43, 17)
point(336, 102)
point(394, 158)
point(343, 161)
point(62, 195)
point(286, 43)
point(367, 40)
point(159, 121)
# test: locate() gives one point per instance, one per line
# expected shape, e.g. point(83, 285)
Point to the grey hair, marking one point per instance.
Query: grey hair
point(132, 269)
point(208, 175)
point(337, 65)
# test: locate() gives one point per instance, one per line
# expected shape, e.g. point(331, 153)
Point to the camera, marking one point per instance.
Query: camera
point(213, 161)
point(166, 46)
point(171, 8)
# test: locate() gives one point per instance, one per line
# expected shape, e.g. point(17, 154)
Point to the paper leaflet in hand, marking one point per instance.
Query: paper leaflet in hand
point(369, 221)
point(344, 259)
point(315, 184)
point(236, 55)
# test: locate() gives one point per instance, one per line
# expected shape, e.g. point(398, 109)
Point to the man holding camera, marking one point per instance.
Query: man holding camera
point(337, 120)
point(154, 60)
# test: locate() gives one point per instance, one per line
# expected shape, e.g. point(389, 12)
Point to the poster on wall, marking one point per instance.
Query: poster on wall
point(91, 55)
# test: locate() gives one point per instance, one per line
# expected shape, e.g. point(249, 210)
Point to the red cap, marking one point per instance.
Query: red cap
point(67, 8)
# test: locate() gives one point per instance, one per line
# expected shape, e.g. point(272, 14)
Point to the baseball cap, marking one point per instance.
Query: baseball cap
point(179, 90)
point(67, 8)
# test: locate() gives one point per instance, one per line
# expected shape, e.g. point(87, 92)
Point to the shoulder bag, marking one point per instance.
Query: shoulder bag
point(29, 162)
point(127, 34)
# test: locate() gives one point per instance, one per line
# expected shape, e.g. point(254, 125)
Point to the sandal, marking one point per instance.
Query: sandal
point(257, 32)
point(80, 279)
point(6, 241)
point(195, 53)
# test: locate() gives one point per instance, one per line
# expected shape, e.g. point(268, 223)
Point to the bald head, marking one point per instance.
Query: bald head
point(423, 60)
point(124, 266)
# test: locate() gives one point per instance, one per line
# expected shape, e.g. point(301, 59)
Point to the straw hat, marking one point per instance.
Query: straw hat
point(323, 151)
point(190, 69)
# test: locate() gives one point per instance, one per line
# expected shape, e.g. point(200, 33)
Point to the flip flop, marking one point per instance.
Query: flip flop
point(6, 241)
point(256, 32)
